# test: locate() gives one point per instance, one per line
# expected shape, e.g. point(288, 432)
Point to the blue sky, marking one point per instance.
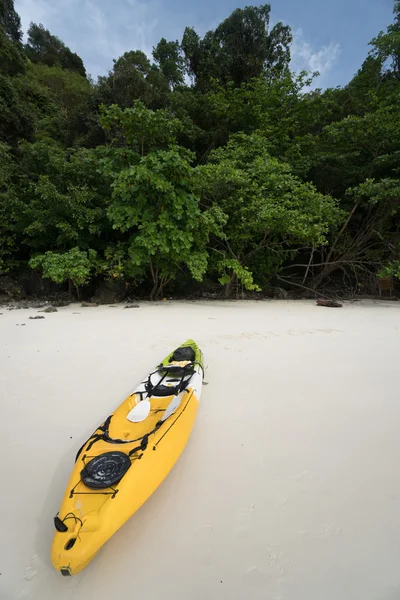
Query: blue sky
point(329, 36)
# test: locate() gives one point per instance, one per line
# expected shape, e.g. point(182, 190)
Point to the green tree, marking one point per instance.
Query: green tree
point(8, 210)
point(370, 234)
point(43, 47)
point(168, 57)
point(61, 199)
point(240, 48)
point(75, 266)
point(153, 202)
point(16, 121)
point(391, 270)
point(275, 108)
point(386, 46)
point(12, 60)
point(134, 78)
point(139, 127)
point(69, 94)
point(10, 21)
point(290, 182)
point(269, 214)
point(128, 79)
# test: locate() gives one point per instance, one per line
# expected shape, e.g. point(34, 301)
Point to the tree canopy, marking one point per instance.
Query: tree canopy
point(209, 165)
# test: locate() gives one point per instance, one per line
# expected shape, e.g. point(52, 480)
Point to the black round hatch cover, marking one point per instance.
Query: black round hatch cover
point(105, 470)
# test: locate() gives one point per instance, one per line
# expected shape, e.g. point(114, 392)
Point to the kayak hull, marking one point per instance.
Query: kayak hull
point(92, 516)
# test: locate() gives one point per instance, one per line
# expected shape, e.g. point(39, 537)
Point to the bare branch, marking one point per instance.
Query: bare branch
point(308, 266)
point(301, 286)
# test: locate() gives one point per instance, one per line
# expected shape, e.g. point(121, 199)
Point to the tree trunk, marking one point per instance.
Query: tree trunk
point(77, 291)
point(229, 286)
point(328, 270)
point(153, 293)
point(154, 276)
point(160, 291)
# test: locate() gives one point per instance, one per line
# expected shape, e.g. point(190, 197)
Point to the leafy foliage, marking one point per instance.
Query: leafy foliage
point(154, 203)
point(43, 47)
point(240, 48)
point(75, 266)
point(243, 177)
point(169, 58)
point(140, 127)
point(391, 270)
point(267, 210)
point(10, 22)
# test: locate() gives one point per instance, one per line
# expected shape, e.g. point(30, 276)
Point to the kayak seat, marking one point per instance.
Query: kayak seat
point(175, 375)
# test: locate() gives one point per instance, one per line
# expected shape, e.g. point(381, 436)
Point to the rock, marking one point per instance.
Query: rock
point(33, 284)
point(329, 303)
point(37, 317)
point(132, 306)
point(110, 292)
point(89, 304)
point(37, 304)
point(280, 293)
point(10, 288)
point(24, 305)
point(49, 309)
point(60, 303)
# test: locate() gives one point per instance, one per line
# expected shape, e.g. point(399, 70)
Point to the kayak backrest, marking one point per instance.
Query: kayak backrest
point(183, 353)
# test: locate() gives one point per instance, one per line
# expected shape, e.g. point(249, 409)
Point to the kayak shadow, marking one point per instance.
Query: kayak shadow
point(52, 502)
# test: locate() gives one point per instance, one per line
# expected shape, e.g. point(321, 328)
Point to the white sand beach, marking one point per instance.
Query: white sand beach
point(289, 487)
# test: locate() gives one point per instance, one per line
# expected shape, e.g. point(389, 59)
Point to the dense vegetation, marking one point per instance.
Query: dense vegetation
point(211, 163)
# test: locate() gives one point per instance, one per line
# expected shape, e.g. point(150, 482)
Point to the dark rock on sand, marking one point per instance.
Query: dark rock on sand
point(10, 288)
point(49, 309)
point(280, 294)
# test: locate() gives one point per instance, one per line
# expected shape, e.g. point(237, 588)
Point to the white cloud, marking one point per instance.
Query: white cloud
point(97, 30)
point(40, 11)
point(309, 57)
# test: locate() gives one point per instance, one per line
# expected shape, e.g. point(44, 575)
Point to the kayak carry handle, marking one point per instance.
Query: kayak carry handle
point(60, 525)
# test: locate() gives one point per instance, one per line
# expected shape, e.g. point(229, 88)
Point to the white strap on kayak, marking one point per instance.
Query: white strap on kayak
point(140, 412)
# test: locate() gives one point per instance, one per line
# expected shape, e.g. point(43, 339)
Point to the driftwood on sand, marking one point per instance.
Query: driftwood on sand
point(329, 303)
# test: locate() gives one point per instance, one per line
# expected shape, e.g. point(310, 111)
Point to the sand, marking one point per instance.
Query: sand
point(289, 488)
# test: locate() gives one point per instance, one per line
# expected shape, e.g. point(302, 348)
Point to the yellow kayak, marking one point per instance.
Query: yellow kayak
point(127, 458)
